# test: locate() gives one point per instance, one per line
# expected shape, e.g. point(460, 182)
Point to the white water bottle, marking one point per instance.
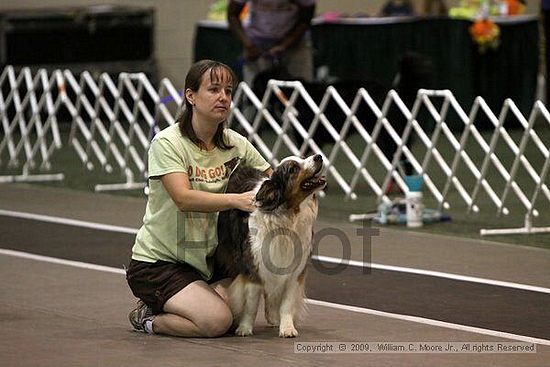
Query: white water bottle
point(413, 198)
point(415, 207)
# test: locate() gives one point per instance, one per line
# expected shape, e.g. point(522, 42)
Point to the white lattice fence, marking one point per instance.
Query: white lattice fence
point(28, 108)
point(114, 120)
point(113, 123)
point(459, 171)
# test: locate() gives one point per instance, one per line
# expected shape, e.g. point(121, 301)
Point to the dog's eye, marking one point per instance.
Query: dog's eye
point(294, 169)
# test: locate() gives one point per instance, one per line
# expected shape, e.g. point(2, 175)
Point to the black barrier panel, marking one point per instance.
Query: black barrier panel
point(77, 35)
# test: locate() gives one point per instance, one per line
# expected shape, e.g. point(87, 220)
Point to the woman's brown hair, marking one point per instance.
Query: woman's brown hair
point(193, 81)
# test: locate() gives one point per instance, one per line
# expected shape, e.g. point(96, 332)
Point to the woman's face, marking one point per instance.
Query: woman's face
point(212, 101)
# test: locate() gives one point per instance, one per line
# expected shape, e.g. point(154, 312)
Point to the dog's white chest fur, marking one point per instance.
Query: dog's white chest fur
point(281, 247)
point(281, 244)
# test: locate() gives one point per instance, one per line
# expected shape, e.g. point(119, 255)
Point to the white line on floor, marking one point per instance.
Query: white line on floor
point(68, 222)
point(464, 278)
point(415, 319)
point(431, 273)
point(56, 260)
point(422, 320)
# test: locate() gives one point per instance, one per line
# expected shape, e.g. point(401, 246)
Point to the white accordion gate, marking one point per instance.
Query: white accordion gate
point(30, 134)
point(113, 121)
point(252, 114)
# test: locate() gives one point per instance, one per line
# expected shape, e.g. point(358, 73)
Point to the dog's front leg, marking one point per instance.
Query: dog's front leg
point(291, 298)
point(252, 293)
point(272, 307)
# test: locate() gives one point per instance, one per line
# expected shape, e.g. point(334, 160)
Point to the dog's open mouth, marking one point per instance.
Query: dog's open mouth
point(314, 182)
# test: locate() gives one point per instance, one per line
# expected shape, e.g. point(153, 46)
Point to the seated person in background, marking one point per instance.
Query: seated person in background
point(435, 7)
point(397, 8)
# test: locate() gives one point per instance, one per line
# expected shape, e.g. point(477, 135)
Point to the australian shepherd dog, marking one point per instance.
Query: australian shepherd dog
point(266, 251)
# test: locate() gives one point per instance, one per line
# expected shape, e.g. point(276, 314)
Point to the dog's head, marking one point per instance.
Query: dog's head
point(292, 181)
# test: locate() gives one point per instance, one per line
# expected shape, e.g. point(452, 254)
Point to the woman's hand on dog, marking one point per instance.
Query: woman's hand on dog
point(245, 201)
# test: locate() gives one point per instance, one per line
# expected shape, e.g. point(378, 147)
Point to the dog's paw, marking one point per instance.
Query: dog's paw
point(244, 330)
point(288, 332)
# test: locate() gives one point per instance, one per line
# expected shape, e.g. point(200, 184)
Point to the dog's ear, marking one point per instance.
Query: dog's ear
point(269, 196)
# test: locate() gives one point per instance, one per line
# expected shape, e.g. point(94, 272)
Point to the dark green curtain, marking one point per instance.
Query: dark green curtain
point(371, 51)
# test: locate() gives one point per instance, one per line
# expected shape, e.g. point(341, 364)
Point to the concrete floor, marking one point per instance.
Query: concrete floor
point(64, 314)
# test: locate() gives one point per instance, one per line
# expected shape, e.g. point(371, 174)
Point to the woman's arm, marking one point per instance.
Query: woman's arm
point(179, 188)
point(251, 52)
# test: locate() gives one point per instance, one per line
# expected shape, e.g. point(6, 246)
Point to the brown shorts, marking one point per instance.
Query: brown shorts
point(155, 283)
